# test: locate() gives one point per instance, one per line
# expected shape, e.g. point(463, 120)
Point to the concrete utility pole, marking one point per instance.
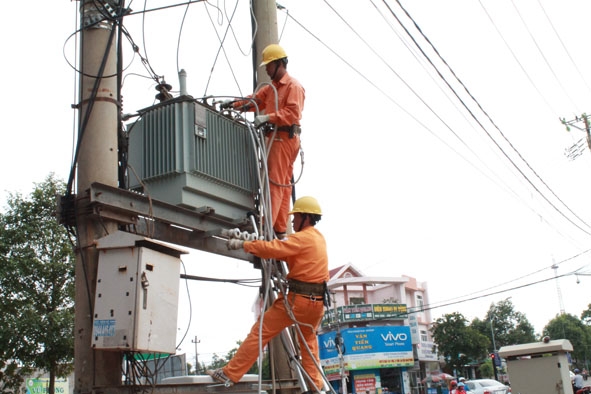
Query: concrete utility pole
point(265, 25)
point(97, 162)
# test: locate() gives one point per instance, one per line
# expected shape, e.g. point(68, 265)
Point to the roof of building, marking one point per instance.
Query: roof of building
point(349, 275)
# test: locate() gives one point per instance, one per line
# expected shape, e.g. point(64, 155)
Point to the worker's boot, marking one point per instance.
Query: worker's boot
point(219, 376)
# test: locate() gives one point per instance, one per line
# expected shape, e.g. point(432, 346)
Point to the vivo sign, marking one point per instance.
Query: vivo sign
point(382, 339)
point(330, 343)
point(401, 336)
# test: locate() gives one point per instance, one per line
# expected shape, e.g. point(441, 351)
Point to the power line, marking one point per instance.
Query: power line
point(504, 153)
point(517, 279)
point(429, 307)
point(516, 59)
point(542, 54)
point(499, 130)
point(564, 46)
point(463, 103)
point(340, 57)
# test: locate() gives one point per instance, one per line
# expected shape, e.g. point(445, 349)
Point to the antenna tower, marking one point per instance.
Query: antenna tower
point(555, 268)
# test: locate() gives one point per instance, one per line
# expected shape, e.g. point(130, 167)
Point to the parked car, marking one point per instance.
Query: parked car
point(487, 386)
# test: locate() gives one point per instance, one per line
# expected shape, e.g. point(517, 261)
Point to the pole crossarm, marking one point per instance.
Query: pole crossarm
point(168, 223)
point(574, 122)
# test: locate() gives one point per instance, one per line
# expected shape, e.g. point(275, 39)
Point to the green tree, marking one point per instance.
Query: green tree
point(457, 342)
point(586, 315)
point(486, 369)
point(219, 362)
point(567, 326)
point(507, 326)
point(37, 287)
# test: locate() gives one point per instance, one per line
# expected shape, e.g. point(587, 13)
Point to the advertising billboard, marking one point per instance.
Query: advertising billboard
point(367, 348)
point(41, 386)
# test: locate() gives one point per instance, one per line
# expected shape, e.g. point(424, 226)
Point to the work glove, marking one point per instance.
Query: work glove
point(259, 120)
point(235, 244)
point(227, 104)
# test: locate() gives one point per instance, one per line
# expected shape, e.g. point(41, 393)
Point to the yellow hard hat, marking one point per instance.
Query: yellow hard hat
point(271, 53)
point(306, 205)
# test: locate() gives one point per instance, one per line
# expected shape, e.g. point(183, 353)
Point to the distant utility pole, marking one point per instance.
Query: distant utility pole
point(577, 149)
point(494, 358)
point(197, 368)
point(340, 345)
point(96, 162)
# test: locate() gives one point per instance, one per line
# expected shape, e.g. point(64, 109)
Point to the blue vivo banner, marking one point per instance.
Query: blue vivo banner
point(368, 347)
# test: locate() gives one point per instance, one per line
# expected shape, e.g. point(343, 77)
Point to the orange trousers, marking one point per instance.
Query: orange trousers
point(284, 151)
point(275, 320)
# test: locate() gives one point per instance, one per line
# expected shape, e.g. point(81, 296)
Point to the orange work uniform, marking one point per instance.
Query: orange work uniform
point(307, 261)
point(284, 150)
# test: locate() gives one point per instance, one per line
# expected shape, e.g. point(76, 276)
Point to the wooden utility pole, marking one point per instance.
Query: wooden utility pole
point(97, 162)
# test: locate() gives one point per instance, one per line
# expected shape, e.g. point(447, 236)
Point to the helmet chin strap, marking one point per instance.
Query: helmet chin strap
point(276, 68)
point(304, 217)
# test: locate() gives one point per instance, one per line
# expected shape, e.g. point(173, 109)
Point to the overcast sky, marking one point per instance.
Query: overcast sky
point(463, 185)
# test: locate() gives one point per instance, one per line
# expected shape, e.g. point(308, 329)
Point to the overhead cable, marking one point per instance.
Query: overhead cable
point(586, 231)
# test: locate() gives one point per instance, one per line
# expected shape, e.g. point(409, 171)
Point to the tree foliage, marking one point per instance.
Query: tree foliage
point(457, 342)
point(567, 326)
point(486, 369)
point(461, 343)
point(219, 362)
point(37, 286)
point(506, 325)
point(586, 315)
point(455, 339)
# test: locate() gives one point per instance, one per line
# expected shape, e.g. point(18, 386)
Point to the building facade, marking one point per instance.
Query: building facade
point(375, 339)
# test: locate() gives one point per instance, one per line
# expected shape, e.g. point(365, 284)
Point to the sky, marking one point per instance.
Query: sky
point(446, 163)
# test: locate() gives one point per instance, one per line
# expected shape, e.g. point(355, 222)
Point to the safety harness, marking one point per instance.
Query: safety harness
point(294, 129)
point(310, 289)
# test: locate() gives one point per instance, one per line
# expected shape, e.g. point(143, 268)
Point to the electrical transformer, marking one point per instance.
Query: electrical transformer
point(187, 154)
point(137, 291)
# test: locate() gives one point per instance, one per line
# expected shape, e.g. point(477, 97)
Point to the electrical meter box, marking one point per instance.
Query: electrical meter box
point(137, 291)
point(539, 367)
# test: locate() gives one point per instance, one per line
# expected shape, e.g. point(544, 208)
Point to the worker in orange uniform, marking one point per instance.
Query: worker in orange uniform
point(304, 251)
point(284, 111)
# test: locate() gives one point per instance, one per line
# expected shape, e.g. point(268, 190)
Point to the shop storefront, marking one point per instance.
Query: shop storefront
point(376, 359)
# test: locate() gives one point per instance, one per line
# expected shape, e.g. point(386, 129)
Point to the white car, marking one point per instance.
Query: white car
point(486, 386)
